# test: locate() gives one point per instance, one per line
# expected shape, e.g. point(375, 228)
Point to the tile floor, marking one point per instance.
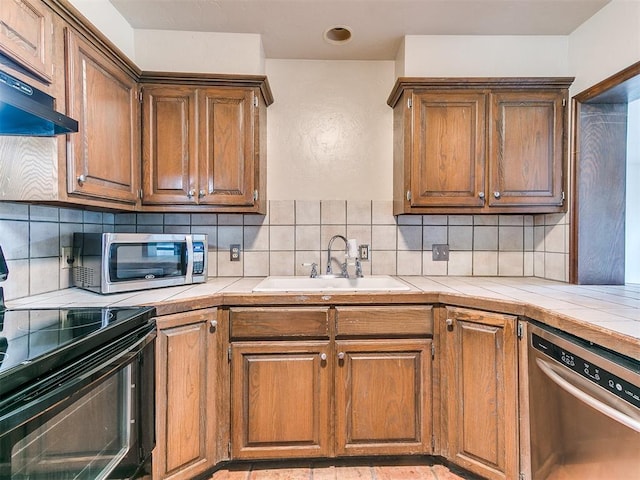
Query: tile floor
point(397, 470)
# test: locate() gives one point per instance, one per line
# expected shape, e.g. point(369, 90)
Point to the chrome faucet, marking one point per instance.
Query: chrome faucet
point(344, 272)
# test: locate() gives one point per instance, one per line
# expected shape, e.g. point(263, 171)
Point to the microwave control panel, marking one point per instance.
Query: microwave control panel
point(198, 258)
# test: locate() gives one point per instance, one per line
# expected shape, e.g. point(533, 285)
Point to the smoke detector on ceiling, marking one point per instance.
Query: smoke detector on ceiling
point(338, 35)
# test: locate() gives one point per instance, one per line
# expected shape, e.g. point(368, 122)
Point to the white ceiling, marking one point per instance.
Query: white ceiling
point(295, 28)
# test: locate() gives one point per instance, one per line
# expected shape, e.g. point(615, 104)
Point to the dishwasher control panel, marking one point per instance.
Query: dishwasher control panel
point(592, 372)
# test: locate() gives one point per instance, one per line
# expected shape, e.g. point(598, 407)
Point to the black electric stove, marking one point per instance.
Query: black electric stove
point(36, 341)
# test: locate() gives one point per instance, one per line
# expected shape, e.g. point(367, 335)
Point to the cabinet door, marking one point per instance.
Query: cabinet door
point(280, 393)
point(104, 158)
point(448, 153)
point(227, 150)
point(169, 152)
point(26, 35)
point(186, 378)
point(526, 148)
point(480, 394)
point(383, 397)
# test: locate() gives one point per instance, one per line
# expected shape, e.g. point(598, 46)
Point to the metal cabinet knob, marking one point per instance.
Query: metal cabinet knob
point(191, 193)
point(81, 179)
point(341, 356)
point(201, 193)
point(449, 322)
point(496, 194)
point(214, 323)
point(481, 195)
point(323, 357)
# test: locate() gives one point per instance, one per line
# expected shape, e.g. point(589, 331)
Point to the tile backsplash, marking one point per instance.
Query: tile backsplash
point(295, 234)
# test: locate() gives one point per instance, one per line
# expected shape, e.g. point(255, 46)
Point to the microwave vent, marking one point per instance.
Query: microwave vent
point(83, 276)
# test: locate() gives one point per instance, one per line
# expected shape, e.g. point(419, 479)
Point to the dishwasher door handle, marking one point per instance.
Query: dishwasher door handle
point(561, 377)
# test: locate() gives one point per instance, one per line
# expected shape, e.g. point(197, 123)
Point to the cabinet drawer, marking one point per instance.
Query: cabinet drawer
point(279, 323)
point(388, 321)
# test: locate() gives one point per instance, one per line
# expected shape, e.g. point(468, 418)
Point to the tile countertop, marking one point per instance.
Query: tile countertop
point(605, 314)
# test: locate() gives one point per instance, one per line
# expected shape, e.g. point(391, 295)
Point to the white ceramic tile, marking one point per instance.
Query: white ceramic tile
point(282, 263)
point(511, 220)
point(14, 211)
point(108, 218)
point(333, 212)
point(409, 263)
point(359, 212)
point(383, 237)
point(44, 240)
point(409, 238)
point(145, 219)
point(17, 283)
point(41, 213)
point(485, 263)
point(212, 263)
point(510, 264)
point(124, 228)
point(255, 219)
point(281, 237)
point(307, 212)
point(228, 235)
point(361, 233)
point(434, 234)
point(538, 238)
point(409, 219)
point(282, 212)
point(72, 215)
point(460, 237)
point(429, 267)
point(307, 237)
point(211, 231)
point(460, 219)
point(485, 220)
point(554, 239)
point(43, 275)
point(434, 219)
point(177, 229)
point(15, 239)
point(204, 219)
point(538, 264)
point(256, 264)
point(125, 219)
point(230, 219)
point(510, 239)
point(227, 268)
point(555, 219)
point(328, 231)
point(485, 238)
point(383, 262)
point(528, 264)
point(460, 263)
point(303, 261)
point(256, 238)
point(528, 239)
point(139, 228)
point(554, 266)
point(172, 219)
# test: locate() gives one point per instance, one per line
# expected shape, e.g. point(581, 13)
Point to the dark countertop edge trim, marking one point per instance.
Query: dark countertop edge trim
point(594, 333)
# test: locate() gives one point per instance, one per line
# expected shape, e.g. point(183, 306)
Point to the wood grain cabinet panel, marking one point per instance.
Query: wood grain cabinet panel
point(480, 145)
point(383, 397)
point(188, 385)
point(281, 400)
point(26, 35)
point(104, 156)
point(479, 381)
point(204, 143)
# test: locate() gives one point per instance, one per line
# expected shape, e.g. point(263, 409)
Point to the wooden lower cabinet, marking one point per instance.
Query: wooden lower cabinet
point(281, 400)
point(383, 397)
point(479, 382)
point(190, 419)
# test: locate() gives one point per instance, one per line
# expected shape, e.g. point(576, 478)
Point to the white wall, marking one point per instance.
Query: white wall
point(330, 131)
point(201, 52)
point(483, 56)
point(605, 44)
point(109, 21)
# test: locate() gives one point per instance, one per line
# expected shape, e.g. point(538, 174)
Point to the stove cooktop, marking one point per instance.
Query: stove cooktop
point(35, 341)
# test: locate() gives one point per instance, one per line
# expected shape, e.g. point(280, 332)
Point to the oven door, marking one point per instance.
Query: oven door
point(94, 419)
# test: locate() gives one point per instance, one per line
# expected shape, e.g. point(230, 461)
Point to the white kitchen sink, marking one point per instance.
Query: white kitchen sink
point(374, 283)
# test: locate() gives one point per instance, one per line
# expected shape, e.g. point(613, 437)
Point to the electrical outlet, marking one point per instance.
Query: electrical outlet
point(363, 252)
point(234, 252)
point(440, 252)
point(66, 258)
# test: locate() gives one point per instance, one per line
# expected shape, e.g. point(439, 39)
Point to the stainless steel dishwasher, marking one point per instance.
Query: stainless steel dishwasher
point(584, 404)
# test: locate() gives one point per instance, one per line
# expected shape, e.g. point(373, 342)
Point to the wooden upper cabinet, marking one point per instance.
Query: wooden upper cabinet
point(448, 157)
point(169, 143)
point(527, 145)
point(26, 35)
point(480, 145)
point(104, 158)
point(204, 142)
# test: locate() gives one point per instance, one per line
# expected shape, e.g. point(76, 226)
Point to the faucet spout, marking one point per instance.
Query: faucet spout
point(329, 269)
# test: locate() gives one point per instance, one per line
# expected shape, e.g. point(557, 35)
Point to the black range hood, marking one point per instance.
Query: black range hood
point(27, 111)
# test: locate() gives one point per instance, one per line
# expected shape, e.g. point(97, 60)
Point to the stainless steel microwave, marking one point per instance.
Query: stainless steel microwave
point(123, 262)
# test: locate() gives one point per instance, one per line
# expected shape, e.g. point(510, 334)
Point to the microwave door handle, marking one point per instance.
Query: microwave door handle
point(564, 381)
point(189, 256)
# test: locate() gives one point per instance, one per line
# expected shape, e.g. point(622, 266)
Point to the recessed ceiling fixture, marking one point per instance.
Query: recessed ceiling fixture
point(338, 35)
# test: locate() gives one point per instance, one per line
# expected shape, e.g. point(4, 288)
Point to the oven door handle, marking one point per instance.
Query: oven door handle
point(563, 378)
